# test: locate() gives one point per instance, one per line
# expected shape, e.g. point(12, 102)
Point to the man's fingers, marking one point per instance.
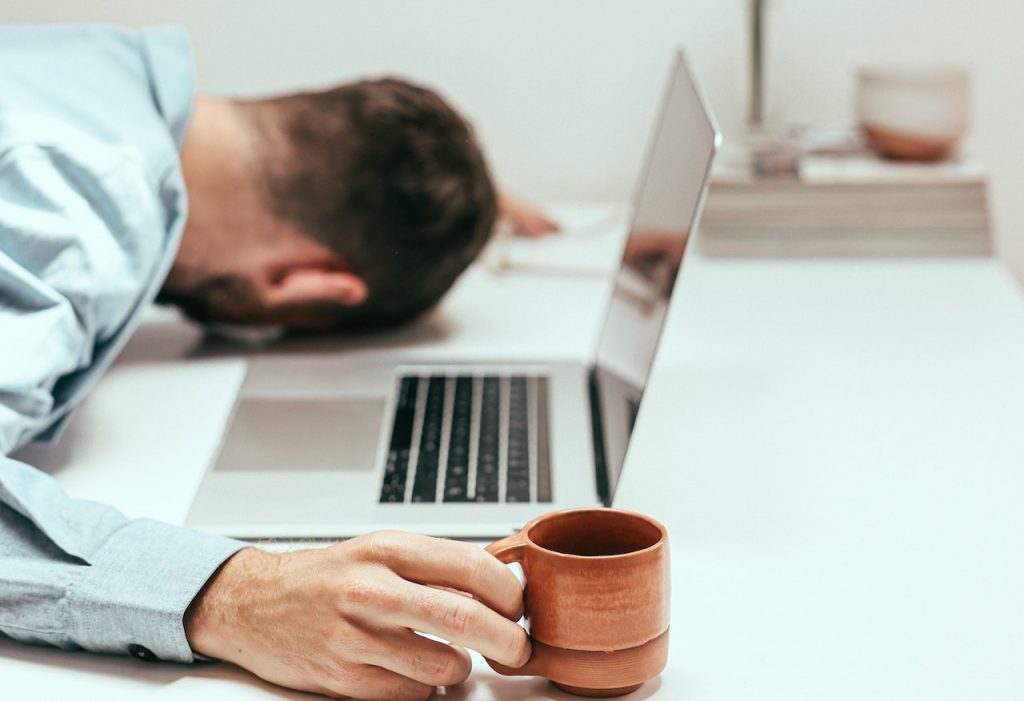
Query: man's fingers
point(449, 563)
point(526, 219)
point(371, 682)
point(461, 620)
point(534, 224)
point(422, 659)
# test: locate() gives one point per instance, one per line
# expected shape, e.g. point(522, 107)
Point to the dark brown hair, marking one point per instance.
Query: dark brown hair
point(387, 175)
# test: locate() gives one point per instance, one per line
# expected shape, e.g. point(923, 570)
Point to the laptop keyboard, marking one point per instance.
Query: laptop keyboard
point(469, 438)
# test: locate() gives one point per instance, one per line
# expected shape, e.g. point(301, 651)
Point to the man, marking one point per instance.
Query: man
point(357, 206)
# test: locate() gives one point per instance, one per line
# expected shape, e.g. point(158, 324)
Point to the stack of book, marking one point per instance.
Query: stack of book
point(850, 205)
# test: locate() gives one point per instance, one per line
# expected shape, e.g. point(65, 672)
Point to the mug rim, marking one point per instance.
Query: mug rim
point(662, 539)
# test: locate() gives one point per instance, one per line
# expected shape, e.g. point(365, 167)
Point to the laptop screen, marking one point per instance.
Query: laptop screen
point(666, 206)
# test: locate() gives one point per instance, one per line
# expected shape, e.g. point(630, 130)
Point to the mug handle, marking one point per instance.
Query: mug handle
point(509, 550)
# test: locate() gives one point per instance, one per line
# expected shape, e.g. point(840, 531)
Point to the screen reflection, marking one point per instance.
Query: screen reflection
point(666, 207)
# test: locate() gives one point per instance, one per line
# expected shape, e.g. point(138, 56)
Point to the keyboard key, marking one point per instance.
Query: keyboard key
point(488, 444)
point(518, 490)
point(395, 471)
point(517, 486)
point(543, 443)
point(424, 488)
point(456, 481)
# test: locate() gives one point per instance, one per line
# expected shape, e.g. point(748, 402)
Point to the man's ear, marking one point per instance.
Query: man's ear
point(303, 286)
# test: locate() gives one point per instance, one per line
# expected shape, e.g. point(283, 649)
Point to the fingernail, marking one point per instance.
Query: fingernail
point(528, 654)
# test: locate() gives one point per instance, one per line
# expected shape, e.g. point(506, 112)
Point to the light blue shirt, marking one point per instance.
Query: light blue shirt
point(92, 207)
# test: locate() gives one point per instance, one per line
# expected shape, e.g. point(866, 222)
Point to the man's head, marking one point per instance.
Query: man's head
point(352, 207)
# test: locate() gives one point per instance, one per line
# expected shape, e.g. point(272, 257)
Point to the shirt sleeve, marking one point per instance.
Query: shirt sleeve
point(74, 257)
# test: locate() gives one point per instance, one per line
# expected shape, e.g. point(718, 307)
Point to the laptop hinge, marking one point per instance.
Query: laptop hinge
point(596, 424)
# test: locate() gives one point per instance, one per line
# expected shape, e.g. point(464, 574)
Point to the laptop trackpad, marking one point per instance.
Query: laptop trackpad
point(303, 434)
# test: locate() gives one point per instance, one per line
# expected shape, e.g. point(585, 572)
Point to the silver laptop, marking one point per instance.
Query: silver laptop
point(334, 446)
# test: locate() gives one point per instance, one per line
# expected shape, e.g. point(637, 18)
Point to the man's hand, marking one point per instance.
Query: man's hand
point(524, 218)
point(341, 621)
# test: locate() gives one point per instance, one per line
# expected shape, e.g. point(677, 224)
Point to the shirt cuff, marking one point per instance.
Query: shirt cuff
point(133, 595)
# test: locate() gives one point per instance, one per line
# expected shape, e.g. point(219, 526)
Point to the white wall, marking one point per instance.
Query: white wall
point(563, 91)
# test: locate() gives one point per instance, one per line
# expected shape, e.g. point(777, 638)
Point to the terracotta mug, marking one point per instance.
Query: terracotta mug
point(596, 598)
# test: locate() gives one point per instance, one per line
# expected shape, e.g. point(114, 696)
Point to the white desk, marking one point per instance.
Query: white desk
point(837, 449)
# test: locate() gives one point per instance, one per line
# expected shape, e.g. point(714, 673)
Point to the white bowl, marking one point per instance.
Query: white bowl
point(916, 112)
